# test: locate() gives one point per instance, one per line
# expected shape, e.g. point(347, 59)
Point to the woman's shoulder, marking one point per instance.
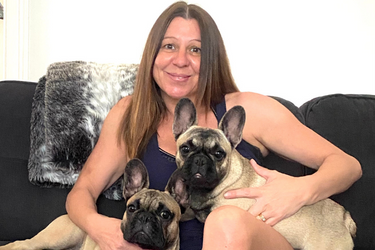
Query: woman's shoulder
point(262, 108)
point(250, 101)
point(123, 103)
point(117, 111)
point(264, 117)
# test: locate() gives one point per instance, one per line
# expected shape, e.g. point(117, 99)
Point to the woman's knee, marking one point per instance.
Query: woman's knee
point(229, 218)
point(228, 226)
point(236, 228)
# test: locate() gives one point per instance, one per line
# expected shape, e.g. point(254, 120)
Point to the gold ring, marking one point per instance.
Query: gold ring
point(261, 216)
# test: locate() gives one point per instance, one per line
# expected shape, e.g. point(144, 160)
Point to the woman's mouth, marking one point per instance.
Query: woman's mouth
point(179, 77)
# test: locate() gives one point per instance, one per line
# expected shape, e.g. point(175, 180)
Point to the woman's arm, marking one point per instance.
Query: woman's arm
point(103, 167)
point(269, 125)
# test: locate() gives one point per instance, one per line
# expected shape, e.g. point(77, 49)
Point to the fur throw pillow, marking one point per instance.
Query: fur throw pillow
point(70, 104)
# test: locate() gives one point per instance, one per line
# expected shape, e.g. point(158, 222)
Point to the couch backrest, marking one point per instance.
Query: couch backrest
point(348, 121)
point(15, 110)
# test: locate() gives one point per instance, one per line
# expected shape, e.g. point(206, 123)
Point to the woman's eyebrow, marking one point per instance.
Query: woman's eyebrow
point(172, 37)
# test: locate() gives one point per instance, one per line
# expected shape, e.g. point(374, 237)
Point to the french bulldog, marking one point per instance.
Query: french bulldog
point(151, 220)
point(208, 165)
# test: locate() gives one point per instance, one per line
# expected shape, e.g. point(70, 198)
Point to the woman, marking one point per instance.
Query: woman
point(185, 56)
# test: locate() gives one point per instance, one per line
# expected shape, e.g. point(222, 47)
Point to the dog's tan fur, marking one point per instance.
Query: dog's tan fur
point(323, 225)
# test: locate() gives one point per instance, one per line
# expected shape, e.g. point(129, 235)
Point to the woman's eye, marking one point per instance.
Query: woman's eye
point(168, 46)
point(196, 50)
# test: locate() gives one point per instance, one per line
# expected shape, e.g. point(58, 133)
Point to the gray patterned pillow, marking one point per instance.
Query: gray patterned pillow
point(70, 104)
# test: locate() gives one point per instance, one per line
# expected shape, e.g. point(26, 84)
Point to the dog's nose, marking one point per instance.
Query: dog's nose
point(200, 161)
point(199, 168)
point(146, 217)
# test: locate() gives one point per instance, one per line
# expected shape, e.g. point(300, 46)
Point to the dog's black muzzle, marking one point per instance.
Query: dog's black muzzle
point(200, 171)
point(146, 230)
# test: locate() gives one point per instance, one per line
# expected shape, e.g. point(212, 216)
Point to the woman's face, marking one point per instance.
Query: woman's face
point(176, 67)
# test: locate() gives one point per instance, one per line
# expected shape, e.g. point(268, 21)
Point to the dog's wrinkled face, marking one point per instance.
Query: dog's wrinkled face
point(202, 156)
point(151, 218)
point(203, 153)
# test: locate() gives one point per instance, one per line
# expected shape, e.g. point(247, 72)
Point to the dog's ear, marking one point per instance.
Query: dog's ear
point(185, 116)
point(232, 124)
point(177, 188)
point(135, 178)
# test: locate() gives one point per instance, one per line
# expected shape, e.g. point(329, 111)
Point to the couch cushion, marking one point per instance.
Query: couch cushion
point(348, 121)
point(25, 209)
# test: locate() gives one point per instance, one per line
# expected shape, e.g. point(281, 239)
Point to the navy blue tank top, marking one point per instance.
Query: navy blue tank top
point(160, 166)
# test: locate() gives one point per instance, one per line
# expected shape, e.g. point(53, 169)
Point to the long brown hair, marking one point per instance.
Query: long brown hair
point(147, 107)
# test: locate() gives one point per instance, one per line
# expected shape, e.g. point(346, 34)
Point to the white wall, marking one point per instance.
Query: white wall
point(15, 39)
point(1, 45)
point(293, 49)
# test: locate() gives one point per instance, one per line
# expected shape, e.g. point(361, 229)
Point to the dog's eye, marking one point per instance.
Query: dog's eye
point(185, 149)
point(166, 215)
point(131, 208)
point(219, 155)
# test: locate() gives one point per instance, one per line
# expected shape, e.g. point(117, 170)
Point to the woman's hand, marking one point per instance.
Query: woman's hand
point(280, 197)
point(109, 235)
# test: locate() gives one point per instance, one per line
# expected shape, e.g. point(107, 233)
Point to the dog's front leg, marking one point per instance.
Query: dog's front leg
point(61, 233)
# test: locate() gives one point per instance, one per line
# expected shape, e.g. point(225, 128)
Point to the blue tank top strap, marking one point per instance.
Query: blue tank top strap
point(219, 110)
point(246, 149)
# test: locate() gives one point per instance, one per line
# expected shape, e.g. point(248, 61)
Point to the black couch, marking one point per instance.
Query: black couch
point(348, 121)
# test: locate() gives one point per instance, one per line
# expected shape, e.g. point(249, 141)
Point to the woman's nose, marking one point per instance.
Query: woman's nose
point(181, 58)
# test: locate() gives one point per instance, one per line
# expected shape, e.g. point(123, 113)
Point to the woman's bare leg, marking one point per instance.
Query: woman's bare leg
point(230, 227)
